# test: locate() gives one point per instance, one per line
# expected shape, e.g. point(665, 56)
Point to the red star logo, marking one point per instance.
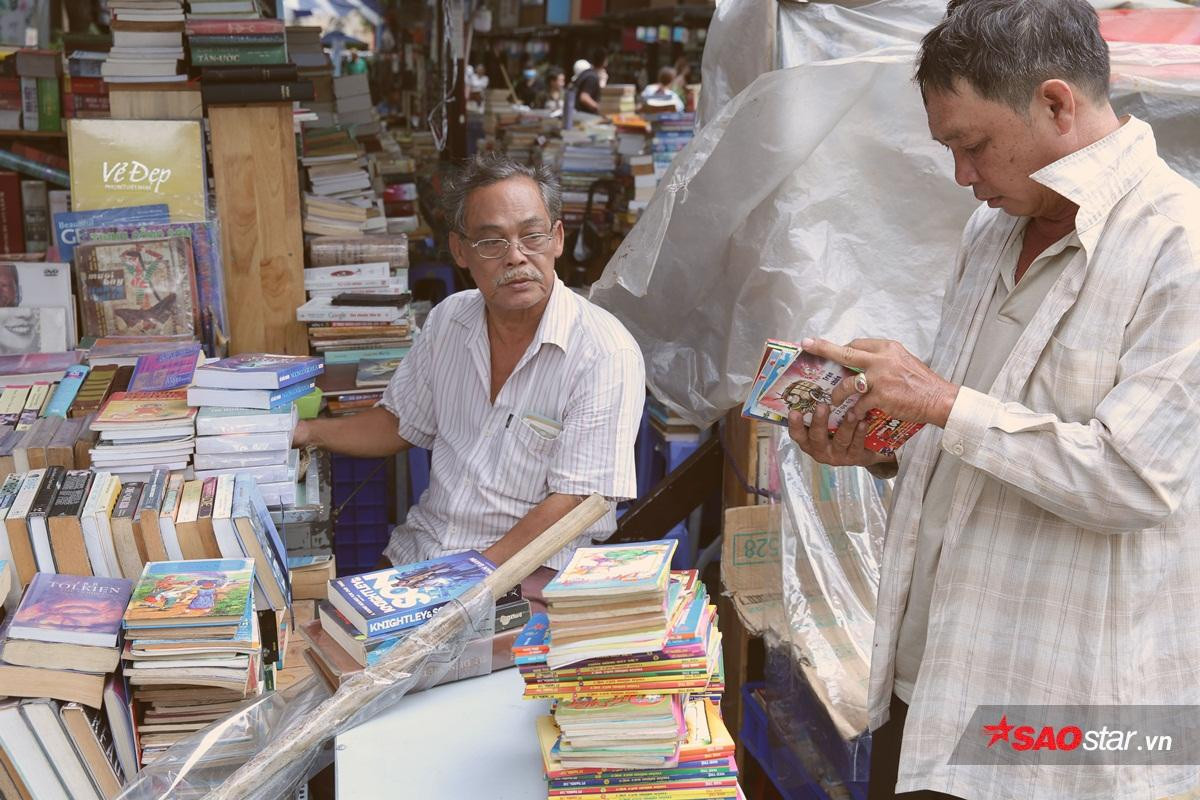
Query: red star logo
point(998, 731)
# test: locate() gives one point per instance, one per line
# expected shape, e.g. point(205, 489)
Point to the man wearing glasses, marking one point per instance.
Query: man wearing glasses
point(528, 395)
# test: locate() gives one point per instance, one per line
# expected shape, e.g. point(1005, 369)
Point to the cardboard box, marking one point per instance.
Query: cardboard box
point(750, 565)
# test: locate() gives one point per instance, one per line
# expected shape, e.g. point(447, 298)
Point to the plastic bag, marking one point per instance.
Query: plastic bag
point(815, 203)
point(269, 728)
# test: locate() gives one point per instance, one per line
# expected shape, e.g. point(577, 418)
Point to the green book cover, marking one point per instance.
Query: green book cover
point(49, 105)
point(213, 56)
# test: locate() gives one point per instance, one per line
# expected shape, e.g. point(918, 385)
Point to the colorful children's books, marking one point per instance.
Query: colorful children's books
point(614, 569)
point(72, 609)
point(191, 593)
point(163, 372)
point(380, 603)
point(67, 224)
point(790, 379)
point(258, 371)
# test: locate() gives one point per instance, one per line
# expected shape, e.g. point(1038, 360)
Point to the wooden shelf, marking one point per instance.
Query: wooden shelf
point(7, 134)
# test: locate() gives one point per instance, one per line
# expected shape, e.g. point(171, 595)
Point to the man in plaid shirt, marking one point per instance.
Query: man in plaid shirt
point(1043, 547)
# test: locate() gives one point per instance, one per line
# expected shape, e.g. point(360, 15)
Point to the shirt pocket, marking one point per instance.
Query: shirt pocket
point(1071, 381)
point(523, 462)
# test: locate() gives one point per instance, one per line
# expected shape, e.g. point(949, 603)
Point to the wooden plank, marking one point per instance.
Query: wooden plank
point(258, 205)
point(741, 447)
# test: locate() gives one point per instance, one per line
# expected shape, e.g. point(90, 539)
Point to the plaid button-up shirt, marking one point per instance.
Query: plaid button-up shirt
point(1070, 568)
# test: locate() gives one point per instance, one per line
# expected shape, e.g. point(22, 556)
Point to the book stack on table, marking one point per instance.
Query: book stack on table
point(247, 417)
point(192, 648)
point(64, 728)
point(340, 200)
point(147, 42)
point(630, 652)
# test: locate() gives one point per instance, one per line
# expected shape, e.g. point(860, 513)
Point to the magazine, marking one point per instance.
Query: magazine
point(133, 288)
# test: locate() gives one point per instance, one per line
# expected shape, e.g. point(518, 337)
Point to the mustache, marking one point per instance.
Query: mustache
point(518, 274)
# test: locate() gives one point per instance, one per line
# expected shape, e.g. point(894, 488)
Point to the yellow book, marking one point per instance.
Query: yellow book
point(121, 163)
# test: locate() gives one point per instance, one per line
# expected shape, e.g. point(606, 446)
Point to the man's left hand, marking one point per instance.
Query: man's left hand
point(898, 383)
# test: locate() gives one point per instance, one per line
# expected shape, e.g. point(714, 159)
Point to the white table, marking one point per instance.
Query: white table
point(471, 739)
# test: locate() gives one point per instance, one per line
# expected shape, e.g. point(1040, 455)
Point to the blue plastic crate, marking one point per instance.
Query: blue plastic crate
point(364, 524)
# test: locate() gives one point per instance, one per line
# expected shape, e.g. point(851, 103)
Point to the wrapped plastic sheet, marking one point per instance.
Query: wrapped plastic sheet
point(309, 714)
point(815, 203)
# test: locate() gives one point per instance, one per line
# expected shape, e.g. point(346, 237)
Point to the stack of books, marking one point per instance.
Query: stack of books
point(60, 649)
point(618, 98)
point(637, 698)
point(588, 156)
point(192, 648)
point(341, 201)
point(266, 84)
point(139, 431)
point(147, 42)
point(313, 65)
point(236, 42)
point(41, 105)
point(672, 132)
point(352, 96)
point(247, 413)
point(365, 617)
point(359, 310)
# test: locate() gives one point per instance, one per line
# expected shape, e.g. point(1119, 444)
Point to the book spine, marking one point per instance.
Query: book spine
point(235, 56)
point(235, 40)
point(29, 104)
point(223, 27)
point(68, 387)
point(271, 73)
point(12, 228)
point(49, 105)
point(36, 207)
point(11, 160)
point(216, 93)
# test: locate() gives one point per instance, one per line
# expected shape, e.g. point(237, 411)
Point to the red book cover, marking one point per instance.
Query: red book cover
point(83, 86)
point(228, 27)
point(12, 218)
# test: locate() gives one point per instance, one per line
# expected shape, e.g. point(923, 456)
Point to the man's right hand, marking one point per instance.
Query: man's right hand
point(300, 436)
point(845, 448)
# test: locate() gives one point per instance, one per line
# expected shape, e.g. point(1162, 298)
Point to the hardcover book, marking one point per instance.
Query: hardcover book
point(190, 593)
point(162, 372)
point(790, 379)
point(258, 371)
point(118, 163)
point(93, 391)
point(143, 287)
point(381, 603)
point(72, 609)
point(67, 225)
point(614, 569)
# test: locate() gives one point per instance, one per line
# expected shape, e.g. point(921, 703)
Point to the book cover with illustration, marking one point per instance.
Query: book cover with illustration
point(376, 371)
point(137, 288)
point(69, 225)
point(614, 569)
point(790, 379)
point(72, 608)
point(258, 371)
point(383, 602)
point(118, 163)
point(123, 409)
point(163, 372)
point(206, 257)
point(189, 593)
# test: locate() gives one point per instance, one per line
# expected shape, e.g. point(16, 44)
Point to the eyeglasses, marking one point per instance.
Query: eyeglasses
point(530, 245)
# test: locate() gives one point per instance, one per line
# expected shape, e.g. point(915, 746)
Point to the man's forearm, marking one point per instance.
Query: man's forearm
point(368, 434)
point(532, 525)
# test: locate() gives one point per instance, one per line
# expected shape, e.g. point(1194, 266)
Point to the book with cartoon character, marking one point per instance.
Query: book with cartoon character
point(790, 379)
point(383, 602)
point(189, 593)
point(137, 288)
point(614, 569)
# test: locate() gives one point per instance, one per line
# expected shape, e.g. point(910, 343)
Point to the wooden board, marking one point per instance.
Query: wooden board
point(258, 205)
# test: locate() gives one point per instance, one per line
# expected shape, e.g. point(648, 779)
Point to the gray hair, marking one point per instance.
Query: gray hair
point(1005, 49)
point(489, 168)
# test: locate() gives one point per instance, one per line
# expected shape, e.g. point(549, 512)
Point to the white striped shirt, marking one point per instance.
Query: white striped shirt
point(491, 466)
point(1068, 571)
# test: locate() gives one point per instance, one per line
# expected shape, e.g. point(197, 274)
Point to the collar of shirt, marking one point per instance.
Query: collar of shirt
point(555, 326)
point(1099, 175)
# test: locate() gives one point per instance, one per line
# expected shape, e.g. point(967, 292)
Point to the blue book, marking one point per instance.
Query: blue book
point(68, 223)
point(260, 539)
point(269, 399)
point(381, 603)
point(354, 356)
point(68, 387)
point(258, 371)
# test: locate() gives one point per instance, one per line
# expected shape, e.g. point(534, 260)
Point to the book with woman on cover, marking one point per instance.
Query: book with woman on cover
point(137, 288)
